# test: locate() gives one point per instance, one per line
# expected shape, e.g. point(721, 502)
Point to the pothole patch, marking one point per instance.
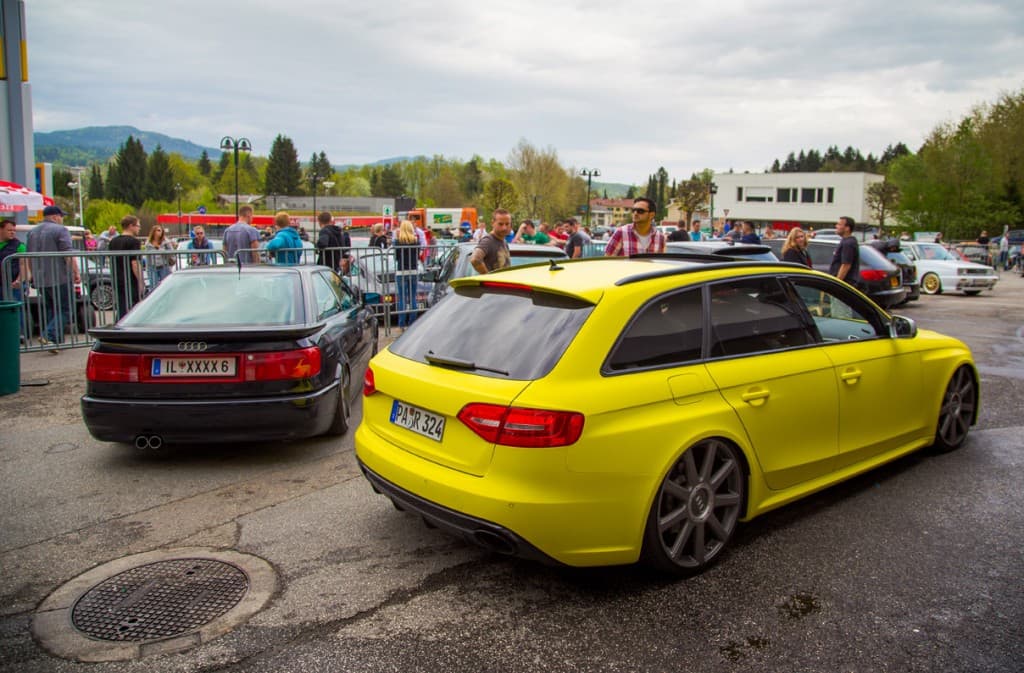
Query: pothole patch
point(153, 603)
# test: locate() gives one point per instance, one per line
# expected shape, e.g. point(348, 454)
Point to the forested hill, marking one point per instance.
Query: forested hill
point(96, 144)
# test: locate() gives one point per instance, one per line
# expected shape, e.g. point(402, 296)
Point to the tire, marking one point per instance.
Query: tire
point(102, 296)
point(342, 412)
point(972, 293)
point(930, 283)
point(696, 509)
point(959, 403)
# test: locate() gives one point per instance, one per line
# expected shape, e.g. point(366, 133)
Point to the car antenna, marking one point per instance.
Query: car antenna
point(238, 261)
point(554, 266)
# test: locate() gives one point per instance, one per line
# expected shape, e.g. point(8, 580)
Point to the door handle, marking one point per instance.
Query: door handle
point(851, 376)
point(755, 397)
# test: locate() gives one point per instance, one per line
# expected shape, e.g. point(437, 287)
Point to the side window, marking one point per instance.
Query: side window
point(667, 331)
point(754, 315)
point(838, 314)
point(327, 302)
point(345, 297)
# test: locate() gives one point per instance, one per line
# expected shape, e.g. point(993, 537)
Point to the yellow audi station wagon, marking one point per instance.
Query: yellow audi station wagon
point(602, 411)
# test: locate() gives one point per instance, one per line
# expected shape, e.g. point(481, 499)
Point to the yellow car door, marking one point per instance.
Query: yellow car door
point(782, 387)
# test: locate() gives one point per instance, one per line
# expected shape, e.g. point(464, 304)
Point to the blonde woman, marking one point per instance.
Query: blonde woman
point(795, 248)
point(407, 249)
point(159, 266)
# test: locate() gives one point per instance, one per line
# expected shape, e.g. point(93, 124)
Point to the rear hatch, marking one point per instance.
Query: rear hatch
point(472, 354)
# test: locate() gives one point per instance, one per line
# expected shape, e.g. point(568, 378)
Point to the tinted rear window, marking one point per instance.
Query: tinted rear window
point(522, 334)
point(221, 300)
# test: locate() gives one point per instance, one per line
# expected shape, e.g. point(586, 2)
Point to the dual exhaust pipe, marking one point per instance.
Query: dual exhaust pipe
point(151, 442)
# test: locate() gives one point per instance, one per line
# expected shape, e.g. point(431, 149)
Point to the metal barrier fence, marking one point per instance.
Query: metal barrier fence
point(59, 314)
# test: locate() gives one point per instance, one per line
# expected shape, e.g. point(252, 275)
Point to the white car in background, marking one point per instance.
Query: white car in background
point(939, 270)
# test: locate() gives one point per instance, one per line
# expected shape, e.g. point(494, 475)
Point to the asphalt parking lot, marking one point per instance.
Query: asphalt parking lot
point(917, 566)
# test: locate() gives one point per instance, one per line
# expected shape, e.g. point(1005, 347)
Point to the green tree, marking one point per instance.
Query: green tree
point(205, 167)
point(351, 183)
point(284, 173)
point(500, 193)
point(159, 178)
point(226, 162)
point(882, 198)
point(101, 214)
point(95, 182)
point(126, 178)
point(445, 190)
point(539, 177)
point(389, 183)
point(61, 178)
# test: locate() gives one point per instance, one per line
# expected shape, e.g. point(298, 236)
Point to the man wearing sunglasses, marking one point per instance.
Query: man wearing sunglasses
point(639, 237)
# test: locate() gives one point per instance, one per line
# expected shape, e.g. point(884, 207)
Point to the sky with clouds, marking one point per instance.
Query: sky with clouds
point(624, 87)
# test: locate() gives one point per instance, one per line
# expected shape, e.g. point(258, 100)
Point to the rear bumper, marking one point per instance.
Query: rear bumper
point(476, 531)
point(888, 298)
point(216, 420)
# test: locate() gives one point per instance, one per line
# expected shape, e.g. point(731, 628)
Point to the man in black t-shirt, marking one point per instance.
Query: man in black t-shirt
point(846, 259)
point(128, 285)
point(577, 239)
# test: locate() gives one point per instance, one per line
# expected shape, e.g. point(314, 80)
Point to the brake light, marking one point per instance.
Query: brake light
point(873, 274)
point(117, 367)
point(369, 385)
point(303, 363)
point(517, 426)
point(506, 286)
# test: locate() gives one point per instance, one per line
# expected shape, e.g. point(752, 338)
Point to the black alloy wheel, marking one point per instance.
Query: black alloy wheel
point(696, 509)
point(957, 411)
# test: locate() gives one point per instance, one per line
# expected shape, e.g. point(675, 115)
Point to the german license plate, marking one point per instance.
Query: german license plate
point(418, 420)
point(207, 367)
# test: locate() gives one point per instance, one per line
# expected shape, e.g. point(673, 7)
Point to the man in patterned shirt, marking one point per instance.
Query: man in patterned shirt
point(640, 236)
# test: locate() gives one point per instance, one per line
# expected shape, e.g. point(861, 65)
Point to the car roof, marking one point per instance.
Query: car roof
point(589, 278)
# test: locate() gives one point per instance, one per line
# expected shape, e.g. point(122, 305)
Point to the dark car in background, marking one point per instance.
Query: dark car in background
point(219, 353)
point(891, 249)
point(456, 264)
point(879, 279)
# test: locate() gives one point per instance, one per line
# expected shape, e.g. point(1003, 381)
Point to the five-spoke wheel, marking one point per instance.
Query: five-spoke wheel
point(957, 411)
point(696, 508)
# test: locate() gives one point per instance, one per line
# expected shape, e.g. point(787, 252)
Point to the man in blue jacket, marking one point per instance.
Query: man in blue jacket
point(286, 244)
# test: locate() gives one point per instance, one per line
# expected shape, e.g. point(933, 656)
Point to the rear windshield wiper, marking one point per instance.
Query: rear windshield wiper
point(460, 364)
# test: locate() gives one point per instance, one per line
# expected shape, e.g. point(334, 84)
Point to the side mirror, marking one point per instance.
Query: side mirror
point(429, 276)
point(902, 327)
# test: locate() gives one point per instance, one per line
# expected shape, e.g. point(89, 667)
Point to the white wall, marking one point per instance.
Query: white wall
point(848, 197)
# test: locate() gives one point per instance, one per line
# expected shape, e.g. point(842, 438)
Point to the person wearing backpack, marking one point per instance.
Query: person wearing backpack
point(333, 245)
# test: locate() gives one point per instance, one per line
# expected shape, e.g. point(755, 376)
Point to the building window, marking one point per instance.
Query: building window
point(760, 194)
point(807, 195)
point(831, 194)
point(785, 195)
point(739, 193)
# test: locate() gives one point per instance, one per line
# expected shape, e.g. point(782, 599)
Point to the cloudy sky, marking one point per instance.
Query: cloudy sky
point(624, 87)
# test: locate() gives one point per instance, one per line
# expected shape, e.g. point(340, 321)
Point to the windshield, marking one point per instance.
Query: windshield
point(936, 251)
point(221, 300)
point(509, 334)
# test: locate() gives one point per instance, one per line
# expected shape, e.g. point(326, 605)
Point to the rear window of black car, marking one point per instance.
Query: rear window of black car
point(506, 333)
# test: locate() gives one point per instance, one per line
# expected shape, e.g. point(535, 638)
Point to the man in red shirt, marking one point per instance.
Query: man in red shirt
point(640, 236)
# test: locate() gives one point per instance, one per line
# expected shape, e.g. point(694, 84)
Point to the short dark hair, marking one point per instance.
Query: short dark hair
point(325, 218)
point(651, 204)
point(499, 211)
point(848, 221)
point(128, 220)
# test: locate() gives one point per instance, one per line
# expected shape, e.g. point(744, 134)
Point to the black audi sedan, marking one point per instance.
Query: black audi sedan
point(228, 354)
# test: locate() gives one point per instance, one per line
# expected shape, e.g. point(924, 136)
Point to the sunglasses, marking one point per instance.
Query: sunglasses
point(640, 210)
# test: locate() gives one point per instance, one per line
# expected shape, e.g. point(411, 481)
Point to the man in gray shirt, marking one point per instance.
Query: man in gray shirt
point(241, 239)
point(53, 276)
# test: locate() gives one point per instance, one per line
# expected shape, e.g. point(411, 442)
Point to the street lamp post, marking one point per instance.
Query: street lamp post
point(76, 185)
point(712, 190)
point(590, 173)
point(235, 144)
point(177, 190)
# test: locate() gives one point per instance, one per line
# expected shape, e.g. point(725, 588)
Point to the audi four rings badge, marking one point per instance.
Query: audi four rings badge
point(191, 346)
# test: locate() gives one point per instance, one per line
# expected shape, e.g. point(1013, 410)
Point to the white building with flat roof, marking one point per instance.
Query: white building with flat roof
point(787, 199)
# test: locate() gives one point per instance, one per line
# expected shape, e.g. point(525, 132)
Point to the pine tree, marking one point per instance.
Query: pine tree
point(95, 183)
point(127, 177)
point(284, 173)
point(159, 177)
point(391, 184)
point(204, 164)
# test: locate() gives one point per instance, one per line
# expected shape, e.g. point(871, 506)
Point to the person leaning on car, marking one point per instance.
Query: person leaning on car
point(846, 259)
point(492, 251)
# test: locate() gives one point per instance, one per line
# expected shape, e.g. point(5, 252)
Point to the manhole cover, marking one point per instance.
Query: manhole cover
point(159, 600)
